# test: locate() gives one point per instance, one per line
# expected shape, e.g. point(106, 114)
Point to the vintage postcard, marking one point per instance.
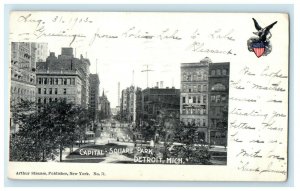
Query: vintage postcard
point(148, 96)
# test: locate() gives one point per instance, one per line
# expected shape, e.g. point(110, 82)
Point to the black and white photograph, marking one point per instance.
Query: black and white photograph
point(148, 90)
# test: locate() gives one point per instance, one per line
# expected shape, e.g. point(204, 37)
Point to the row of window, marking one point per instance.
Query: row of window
point(216, 111)
point(194, 111)
point(22, 91)
point(51, 91)
point(218, 72)
point(197, 122)
point(22, 76)
point(56, 81)
point(218, 98)
point(194, 88)
point(194, 76)
point(194, 99)
point(49, 100)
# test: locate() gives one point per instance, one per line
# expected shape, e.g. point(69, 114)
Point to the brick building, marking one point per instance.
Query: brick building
point(194, 95)
point(218, 102)
point(154, 100)
point(63, 77)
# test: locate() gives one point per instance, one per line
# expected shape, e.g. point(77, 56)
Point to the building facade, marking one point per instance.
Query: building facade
point(23, 72)
point(155, 100)
point(94, 95)
point(131, 105)
point(218, 102)
point(104, 107)
point(41, 52)
point(194, 95)
point(63, 77)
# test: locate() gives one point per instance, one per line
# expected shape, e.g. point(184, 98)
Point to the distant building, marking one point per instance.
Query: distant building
point(63, 77)
point(218, 102)
point(94, 95)
point(154, 100)
point(131, 105)
point(104, 106)
point(41, 52)
point(194, 95)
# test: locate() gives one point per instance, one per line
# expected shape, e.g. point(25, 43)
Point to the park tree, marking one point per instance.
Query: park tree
point(45, 129)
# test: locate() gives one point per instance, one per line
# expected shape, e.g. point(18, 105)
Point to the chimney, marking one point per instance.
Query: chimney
point(161, 84)
point(157, 83)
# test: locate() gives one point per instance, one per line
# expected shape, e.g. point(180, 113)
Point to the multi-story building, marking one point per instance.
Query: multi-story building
point(204, 99)
point(23, 67)
point(41, 52)
point(64, 77)
point(218, 102)
point(104, 106)
point(23, 75)
point(194, 95)
point(94, 95)
point(131, 105)
point(155, 100)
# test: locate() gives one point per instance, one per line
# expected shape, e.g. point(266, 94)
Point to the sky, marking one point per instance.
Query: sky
point(123, 44)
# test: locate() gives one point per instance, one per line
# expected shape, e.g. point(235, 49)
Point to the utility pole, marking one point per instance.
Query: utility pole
point(147, 70)
point(96, 66)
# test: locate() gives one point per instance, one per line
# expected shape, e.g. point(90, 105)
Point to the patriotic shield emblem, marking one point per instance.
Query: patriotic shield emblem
point(258, 48)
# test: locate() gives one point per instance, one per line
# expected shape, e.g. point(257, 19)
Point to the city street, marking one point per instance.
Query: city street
point(114, 143)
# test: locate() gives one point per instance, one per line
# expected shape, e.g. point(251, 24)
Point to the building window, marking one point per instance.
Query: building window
point(189, 77)
point(183, 99)
point(204, 111)
point(56, 81)
point(50, 90)
point(224, 72)
point(45, 80)
point(199, 99)
point(200, 76)
point(55, 99)
point(190, 89)
point(199, 88)
point(50, 100)
point(39, 91)
point(213, 98)
point(45, 100)
point(45, 90)
point(65, 81)
point(195, 88)
point(65, 91)
point(205, 88)
point(194, 99)
point(218, 87)
point(39, 100)
point(218, 72)
point(40, 80)
point(223, 98)
point(218, 98)
point(213, 72)
point(51, 81)
point(203, 122)
point(190, 99)
point(204, 99)
point(73, 81)
point(194, 77)
point(55, 91)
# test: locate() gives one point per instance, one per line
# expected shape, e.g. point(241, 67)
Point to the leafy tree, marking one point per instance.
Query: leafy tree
point(43, 129)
